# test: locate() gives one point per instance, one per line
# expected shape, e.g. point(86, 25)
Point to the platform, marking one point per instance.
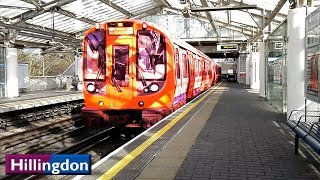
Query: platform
point(227, 133)
point(38, 98)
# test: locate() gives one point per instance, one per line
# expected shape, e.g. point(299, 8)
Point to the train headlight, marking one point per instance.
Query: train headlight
point(144, 26)
point(140, 103)
point(100, 103)
point(154, 87)
point(146, 90)
point(97, 25)
point(90, 87)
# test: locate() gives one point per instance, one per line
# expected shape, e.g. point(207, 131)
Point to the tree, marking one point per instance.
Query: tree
point(54, 63)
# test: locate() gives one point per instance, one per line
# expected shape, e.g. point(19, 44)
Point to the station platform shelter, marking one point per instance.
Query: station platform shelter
point(237, 130)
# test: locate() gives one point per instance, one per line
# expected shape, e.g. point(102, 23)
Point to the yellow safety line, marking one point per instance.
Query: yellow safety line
point(112, 172)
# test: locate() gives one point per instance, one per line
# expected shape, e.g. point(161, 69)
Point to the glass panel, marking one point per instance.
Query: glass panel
point(191, 27)
point(207, 68)
point(94, 55)
point(120, 70)
point(196, 73)
point(177, 64)
point(2, 73)
point(276, 68)
point(151, 55)
point(185, 67)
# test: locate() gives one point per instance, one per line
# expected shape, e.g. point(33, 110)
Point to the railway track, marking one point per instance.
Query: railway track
point(98, 145)
point(21, 118)
point(11, 140)
point(32, 147)
point(49, 129)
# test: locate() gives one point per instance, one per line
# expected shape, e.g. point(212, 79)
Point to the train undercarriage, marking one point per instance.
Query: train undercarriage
point(124, 118)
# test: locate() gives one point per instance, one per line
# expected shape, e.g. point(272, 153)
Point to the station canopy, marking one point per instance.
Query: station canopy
point(62, 23)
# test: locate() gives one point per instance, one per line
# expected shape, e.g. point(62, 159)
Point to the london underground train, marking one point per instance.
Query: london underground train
point(135, 73)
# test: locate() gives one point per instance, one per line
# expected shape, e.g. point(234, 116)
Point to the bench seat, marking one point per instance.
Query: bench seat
point(309, 132)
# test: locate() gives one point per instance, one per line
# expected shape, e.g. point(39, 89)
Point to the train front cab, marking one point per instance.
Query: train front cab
point(125, 75)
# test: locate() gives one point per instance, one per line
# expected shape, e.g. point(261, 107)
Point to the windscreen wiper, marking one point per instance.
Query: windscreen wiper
point(144, 82)
point(115, 83)
point(98, 74)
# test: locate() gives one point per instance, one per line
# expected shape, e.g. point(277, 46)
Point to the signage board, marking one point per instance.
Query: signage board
point(120, 30)
point(278, 45)
point(227, 47)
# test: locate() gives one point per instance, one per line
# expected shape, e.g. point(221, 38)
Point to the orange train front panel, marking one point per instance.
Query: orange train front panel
point(130, 67)
point(132, 75)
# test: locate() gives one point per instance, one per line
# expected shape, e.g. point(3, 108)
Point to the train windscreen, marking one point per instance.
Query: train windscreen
point(94, 55)
point(151, 56)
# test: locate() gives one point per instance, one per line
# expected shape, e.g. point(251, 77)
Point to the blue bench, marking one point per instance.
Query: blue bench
point(307, 128)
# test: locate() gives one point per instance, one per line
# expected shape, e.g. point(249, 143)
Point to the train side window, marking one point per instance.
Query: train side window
point(177, 64)
point(207, 68)
point(201, 67)
point(196, 72)
point(210, 70)
point(190, 63)
point(185, 66)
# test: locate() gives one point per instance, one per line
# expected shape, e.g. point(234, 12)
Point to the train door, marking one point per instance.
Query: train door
point(197, 83)
point(216, 77)
point(191, 65)
point(210, 72)
point(121, 85)
point(184, 75)
point(207, 69)
point(202, 74)
point(178, 82)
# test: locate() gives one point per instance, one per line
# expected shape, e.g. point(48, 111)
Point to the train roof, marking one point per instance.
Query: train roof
point(176, 40)
point(169, 35)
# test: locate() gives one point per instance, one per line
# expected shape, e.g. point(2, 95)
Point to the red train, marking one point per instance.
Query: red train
point(135, 73)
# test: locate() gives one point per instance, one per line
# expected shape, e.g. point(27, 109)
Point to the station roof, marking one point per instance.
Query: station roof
point(61, 23)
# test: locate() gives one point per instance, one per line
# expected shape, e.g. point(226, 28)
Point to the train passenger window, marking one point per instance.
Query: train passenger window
point(120, 68)
point(202, 69)
point(177, 64)
point(196, 69)
point(207, 68)
point(94, 55)
point(151, 57)
point(185, 66)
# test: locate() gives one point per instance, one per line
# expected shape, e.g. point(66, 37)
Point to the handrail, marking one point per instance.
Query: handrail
point(299, 111)
point(312, 126)
point(305, 119)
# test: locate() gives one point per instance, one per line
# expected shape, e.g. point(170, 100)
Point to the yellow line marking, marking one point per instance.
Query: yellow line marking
point(112, 172)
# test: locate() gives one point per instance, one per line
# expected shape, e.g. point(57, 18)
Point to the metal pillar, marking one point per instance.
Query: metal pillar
point(262, 70)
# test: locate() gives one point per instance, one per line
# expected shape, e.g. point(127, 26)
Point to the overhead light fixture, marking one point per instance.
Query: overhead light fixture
point(186, 13)
point(221, 8)
point(183, 1)
point(17, 7)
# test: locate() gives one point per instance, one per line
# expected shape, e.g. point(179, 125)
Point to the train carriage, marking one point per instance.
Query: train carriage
point(135, 73)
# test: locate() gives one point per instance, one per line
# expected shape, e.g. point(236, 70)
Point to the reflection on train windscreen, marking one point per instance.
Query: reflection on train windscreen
point(151, 57)
point(94, 55)
point(120, 71)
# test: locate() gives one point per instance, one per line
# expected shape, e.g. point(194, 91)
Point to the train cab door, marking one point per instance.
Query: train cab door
point(121, 85)
point(178, 79)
